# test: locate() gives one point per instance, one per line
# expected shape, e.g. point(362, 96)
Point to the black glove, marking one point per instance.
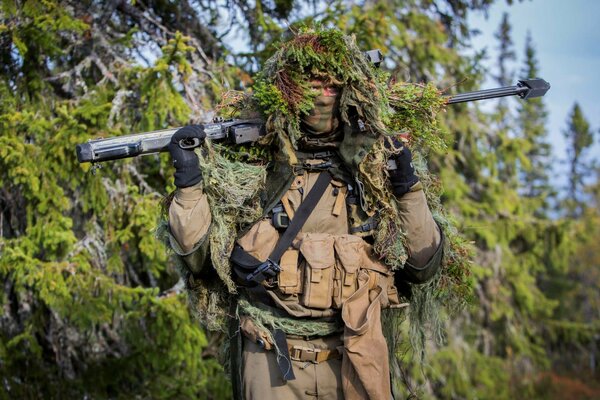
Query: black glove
point(185, 161)
point(401, 170)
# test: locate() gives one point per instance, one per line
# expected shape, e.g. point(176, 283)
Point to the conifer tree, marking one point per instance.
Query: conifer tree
point(579, 137)
point(574, 332)
point(531, 121)
point(504, 139)
point(91, 305)
point(506, 53)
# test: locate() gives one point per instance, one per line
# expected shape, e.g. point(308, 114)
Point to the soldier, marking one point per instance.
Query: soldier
point(313, 273)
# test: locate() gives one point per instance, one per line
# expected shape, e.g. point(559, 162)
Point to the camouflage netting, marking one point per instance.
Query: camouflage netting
point(387, 109)
point(283, 95)
point(233, 189)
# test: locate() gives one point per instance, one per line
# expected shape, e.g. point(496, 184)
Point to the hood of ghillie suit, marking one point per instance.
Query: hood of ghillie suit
point(283, 89)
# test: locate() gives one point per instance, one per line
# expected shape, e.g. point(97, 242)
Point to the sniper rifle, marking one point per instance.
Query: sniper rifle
point(239, 131)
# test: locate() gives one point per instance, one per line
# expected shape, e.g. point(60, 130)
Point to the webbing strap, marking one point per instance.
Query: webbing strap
point(252, 270)
point(284, 361)
point(301, 215)
point(316, 356)
point(249, 269)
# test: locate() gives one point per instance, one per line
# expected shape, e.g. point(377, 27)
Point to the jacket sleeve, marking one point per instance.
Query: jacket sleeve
point(423, 235)
point(189, 224)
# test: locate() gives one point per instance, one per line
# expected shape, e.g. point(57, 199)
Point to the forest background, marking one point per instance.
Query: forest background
point(92, 306)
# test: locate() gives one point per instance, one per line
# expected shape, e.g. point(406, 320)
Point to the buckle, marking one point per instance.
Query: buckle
point(268, 269)
point(301, 353)
point(318, 167)
point(321, 155)
point(369, 225)
point(315, 356)
point(280, 219)
point(296, 354)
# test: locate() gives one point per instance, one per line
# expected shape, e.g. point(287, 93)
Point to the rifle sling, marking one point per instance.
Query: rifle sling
point(252, 271)
point(247, 263)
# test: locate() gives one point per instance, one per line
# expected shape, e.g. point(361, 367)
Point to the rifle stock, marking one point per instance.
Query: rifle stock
point(99, 150)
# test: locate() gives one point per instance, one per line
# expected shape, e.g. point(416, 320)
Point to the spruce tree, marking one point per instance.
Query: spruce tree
point(505, 140)
point(579, 137)
point(92, 306)
point(506, 53)
point(573, 334)
point(532, 119)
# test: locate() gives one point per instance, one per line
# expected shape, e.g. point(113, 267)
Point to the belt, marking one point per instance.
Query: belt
point(303, 353)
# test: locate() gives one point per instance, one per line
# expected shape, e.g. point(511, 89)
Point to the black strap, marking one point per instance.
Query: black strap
point(257, 271)
point(301, 215)
point(252, 271)
point(369, 225)
point(284, 361)
point(235, 353)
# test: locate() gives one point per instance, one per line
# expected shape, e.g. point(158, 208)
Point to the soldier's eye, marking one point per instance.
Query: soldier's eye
point(330, 91)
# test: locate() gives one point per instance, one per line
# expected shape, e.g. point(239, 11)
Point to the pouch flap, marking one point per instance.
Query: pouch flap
point(317, 249)
point(260, 240)
point(288, 276)
point(337, 183)
point(298, 182)
point(349, 249)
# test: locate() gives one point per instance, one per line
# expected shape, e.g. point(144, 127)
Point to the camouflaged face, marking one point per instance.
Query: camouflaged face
point(324, 118)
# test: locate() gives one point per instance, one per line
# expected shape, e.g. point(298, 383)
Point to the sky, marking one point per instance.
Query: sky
point(566, 36)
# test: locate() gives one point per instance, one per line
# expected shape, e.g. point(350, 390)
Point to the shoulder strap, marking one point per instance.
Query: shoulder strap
point(301, 215)
point(252, 271)
point(259, 271)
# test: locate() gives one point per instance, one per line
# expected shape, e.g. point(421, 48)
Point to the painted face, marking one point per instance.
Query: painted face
point(324, 117)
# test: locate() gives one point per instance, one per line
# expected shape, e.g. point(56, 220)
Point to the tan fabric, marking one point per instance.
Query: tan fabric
point(348, 249)
point(317, 249)
point(327, 270)
point(291, 276)
point(302, 353)
point(422, 233)
point(339, 270)
point(365, 369)
point(260, 240)
point(322, 219)
point(189, 217)
point(262, 379)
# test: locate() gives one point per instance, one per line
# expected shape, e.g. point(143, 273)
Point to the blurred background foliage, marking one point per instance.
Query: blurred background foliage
point(92, 306)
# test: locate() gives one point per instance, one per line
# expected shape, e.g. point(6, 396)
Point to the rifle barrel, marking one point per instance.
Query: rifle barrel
point(525, 89)
point(487, 94)
point(245, 131)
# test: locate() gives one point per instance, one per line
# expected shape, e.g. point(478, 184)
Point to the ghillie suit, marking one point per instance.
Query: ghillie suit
point(372, 112)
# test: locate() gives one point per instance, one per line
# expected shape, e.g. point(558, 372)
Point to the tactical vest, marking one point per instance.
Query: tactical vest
point(319, 269)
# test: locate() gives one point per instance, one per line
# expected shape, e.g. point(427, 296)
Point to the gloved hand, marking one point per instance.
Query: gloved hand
point(185, 161)
point(400, 169)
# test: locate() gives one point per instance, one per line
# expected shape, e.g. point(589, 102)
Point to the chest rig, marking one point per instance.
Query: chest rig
point(251, 272)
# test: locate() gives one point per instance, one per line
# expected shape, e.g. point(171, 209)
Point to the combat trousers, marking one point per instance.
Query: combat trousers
point(262, 378)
